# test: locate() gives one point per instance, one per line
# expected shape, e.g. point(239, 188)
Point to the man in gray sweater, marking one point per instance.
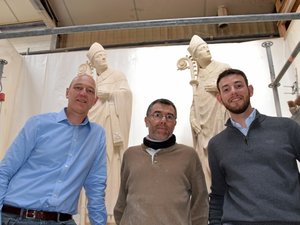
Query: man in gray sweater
point(253, 162)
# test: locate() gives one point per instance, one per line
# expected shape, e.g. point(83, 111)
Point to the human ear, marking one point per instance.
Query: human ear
point(146, 121)
point(218, 96)
point(96, 99)
point(67, 93)
point(251, 90)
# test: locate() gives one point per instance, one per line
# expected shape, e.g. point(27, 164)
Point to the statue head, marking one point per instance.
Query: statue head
point(97, 57)
point(95, 47)
point(194, 43)
point(199, 51)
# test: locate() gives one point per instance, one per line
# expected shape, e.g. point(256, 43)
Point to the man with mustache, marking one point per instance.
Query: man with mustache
point(162, 182)
point(253, 162)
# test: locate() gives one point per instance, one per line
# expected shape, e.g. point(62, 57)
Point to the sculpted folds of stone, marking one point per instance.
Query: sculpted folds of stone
point(113, 112)
point(207, 115)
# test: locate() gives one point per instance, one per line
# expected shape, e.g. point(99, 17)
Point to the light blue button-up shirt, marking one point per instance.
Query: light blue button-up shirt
point(50, 161)
point(248, 122)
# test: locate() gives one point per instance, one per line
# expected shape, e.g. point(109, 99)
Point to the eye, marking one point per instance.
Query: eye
point(90, 91)
point(238, 86)
point(78, 88)
point(224, 90)
point(157, 115)
point(170, 117)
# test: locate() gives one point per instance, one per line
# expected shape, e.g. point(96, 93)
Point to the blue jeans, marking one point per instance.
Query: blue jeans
point(12, 219)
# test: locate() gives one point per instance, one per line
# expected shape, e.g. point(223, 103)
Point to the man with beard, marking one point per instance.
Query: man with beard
point(253, 162)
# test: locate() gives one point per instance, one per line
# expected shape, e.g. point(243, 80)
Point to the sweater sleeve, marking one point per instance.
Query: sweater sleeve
point(199, 195)
point(121, 201)
point(215, 209)
point(216, 197)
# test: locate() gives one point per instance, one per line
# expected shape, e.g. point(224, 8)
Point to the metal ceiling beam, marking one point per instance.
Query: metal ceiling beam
point(155, 23)
point(39, 7)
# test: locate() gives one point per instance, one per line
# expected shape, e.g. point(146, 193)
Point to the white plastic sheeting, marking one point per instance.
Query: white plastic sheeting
point(39, 85)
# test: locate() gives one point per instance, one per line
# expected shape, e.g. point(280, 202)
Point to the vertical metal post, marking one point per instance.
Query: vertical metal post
point(2, 95)
point(2, 63)
point(267, 45)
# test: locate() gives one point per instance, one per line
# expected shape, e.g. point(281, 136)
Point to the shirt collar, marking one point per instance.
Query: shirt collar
point(62, 116)
point(248, 120)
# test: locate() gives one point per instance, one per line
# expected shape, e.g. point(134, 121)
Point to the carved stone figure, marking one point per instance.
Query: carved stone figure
point(294, 107)
point(207, 115)
point(113, 112)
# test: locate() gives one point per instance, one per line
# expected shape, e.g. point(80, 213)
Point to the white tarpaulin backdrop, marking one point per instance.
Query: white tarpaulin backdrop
point(38, 82)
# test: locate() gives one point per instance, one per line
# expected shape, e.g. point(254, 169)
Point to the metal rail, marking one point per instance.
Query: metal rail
point(154, 23)
point(2, 63)
point(293, 55)
point(267, 45)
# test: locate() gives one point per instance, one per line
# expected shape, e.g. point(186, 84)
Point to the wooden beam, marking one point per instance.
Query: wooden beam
point(284, 6)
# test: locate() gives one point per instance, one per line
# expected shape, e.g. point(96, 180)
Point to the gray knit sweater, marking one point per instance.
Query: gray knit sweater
point(255, 177)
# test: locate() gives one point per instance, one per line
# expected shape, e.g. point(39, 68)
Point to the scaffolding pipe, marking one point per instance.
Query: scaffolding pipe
point(154, 23)
point(267, 45)
point(275, 82)
point(2, 63)
point(2, 95)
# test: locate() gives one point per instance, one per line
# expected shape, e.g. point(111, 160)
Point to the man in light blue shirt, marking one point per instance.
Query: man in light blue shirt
point(52, 158)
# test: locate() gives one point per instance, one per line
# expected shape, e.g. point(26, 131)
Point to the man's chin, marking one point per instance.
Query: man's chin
point(161, 137)
point(239, 110)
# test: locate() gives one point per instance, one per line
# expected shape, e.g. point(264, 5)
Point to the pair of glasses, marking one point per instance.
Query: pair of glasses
point(158, 116)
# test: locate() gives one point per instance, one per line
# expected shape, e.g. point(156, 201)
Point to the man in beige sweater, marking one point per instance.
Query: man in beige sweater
point(162, 182)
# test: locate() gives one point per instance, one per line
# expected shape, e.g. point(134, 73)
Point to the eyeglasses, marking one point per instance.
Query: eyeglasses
point(158, 116)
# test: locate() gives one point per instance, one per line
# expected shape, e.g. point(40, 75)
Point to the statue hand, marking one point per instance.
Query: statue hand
point(103, 95)
point(210, 88)
point(117, 139)
point(195, 127)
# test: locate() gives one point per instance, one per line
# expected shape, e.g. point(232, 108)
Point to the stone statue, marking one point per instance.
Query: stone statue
point(85, 68)
point(207, 115)
point(294, 107)
point(113, 112)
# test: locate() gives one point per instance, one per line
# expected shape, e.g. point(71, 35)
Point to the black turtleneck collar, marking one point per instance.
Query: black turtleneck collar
point(158, 145)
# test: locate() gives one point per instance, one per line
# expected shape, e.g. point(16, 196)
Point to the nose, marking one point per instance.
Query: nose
point(83, 91)
point(163, 119)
